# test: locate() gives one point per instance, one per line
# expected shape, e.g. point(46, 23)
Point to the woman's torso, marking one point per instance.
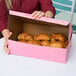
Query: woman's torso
point(27, 6)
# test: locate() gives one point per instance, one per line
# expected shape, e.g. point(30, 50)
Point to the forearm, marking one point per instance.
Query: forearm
point(3, 19)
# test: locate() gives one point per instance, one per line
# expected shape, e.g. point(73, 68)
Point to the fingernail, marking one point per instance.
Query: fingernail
point(39, 17)
point(32, 16)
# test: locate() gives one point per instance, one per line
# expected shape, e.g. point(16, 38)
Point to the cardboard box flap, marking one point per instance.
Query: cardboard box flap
point(51, 20)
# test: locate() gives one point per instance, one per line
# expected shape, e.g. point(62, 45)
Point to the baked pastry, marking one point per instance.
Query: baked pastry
point(33, 42)
point(56, 44)
point(42, 36)
point(65, 43)
point(56, 40)
point(45, 43)
point(25, 36)
point(58, 37)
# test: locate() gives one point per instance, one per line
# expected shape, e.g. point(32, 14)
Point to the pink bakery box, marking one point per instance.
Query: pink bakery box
point(23, 22)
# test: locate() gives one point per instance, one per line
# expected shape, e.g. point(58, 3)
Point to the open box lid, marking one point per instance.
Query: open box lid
point(29, 16)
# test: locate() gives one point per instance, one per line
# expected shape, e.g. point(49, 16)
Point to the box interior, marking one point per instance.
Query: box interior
point(18, 25)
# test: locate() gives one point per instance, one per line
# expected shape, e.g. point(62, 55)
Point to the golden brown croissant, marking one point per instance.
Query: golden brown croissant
point(45, 43)
point(58, 37)
point(33, 42)
point(42, 36)
point(56, 44)
point(25, 36)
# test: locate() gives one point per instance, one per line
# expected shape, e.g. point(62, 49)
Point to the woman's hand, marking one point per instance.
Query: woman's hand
point(6, 34)
point(39, 14)
point(49, 14)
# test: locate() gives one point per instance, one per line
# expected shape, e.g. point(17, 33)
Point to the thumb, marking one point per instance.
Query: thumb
point(6, 46)
point(10, 33)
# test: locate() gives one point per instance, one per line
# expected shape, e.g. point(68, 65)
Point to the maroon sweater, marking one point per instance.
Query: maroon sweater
point(26, 6)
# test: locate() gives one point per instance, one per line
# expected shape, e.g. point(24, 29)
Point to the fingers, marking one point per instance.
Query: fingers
point(6, 49)
point(6, 33)
point(48, 14)
point(6, 46)
point(40, 15)
point(10, 34)
point(33, 14)
point(37, 14)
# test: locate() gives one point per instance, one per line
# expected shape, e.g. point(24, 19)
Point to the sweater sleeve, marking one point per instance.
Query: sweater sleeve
point(3, 16)
point(47, 5)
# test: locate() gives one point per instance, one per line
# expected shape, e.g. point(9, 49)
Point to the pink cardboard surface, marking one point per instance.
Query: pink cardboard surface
point(25, 15)
point(40, 52)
